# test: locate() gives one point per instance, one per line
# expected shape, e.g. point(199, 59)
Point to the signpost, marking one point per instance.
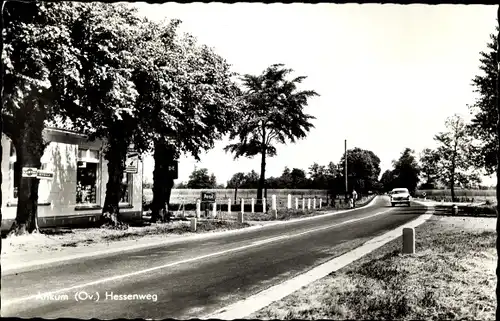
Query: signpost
point(33, 172)
point(132, 164)
point(30, 171)
point(44, 174)
point(206, 199)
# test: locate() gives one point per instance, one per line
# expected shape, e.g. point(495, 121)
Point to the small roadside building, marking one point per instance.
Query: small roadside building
point(73, 188)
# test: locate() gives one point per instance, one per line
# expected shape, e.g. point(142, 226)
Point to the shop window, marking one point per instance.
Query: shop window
point(126, 188)
point(87, 176)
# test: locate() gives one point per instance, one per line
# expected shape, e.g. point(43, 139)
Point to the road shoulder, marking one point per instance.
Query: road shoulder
point(451, 276)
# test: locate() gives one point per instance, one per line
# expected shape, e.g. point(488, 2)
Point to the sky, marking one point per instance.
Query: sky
point(388, 75)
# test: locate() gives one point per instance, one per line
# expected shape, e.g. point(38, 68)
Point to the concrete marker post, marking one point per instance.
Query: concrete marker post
point(296, 203)
point(320, 202)
point(303, 204)
point(264, 205)
point(253, 205)
point(228, 206)
point(314, 203)
point(193, 224)
point(240, 215)
point(308, 203)
point(289, 203)
point(274, 210)
point(198, 208)
point(214, 209)
point(408, 240)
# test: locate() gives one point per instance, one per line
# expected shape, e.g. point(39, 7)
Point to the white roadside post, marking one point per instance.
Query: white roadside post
point(314, 203)
point(408, 240)
point(228, 206)
point(198, 208)
point(264, 205)
point(320, 202)
point(274, 211)
point(289, 203)
point(253, 205)
point(296, 203)
point(240, 215)
point(193, 224)
point(303, 203)
point(214, 209)
point(308, 203)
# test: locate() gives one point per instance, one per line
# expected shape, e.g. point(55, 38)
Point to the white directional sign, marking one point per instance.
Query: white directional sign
point(44, 174)
point(131, 165)
point(29, 171)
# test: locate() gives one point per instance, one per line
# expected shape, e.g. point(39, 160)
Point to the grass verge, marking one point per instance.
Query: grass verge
point(451, 276)
point(50, 242)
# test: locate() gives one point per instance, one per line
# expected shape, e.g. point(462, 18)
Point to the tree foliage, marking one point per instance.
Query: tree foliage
point(483, 126)
point(40, 71)
point(456, 167)
point(200, 178)
point(186, 97)
point(406, 171)
point(272, 114)
point(363, 169)
point(388, 180)
point(429, 161)
point(107, 35)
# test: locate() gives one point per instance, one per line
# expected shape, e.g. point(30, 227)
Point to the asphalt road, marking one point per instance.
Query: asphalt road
point(193, 278)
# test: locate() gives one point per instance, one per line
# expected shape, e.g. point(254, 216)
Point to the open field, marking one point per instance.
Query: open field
point(191, 195)
point(463, 195)
point(451, 276)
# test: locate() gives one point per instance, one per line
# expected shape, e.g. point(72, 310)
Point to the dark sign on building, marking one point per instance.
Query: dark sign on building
point(173, 169)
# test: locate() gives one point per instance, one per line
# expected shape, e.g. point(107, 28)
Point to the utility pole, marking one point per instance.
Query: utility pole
point(345, 168)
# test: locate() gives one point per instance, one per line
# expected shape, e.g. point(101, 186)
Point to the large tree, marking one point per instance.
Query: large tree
point(109, 38)
point(455, 163)
point(319, 176)
point(235, 182)
point(200, 178)
point(388, 180)
point(407, 171)
point(484, 122)
point(40, 77)
point(363, 169)
point(187, 95)
point(429, 161)
point(273, 114)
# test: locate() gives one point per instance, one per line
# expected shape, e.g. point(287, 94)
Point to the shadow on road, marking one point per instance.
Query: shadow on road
point(414, 209)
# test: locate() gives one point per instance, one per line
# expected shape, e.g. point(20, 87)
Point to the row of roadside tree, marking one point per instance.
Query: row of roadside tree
point(105, 71)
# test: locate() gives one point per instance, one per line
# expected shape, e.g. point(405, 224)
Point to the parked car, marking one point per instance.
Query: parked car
point(400, 196)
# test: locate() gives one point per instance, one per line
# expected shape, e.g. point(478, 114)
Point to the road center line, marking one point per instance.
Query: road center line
point(118, 277)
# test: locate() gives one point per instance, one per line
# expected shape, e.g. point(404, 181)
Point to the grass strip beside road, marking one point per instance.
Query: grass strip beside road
point(451, 276)
point(72, 238)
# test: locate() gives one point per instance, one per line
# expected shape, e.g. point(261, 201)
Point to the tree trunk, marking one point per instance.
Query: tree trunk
point(453, 168)
point(163, 182)
point(498, 167)
point(29, 150)
point(262, 177)
point(115, 154)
